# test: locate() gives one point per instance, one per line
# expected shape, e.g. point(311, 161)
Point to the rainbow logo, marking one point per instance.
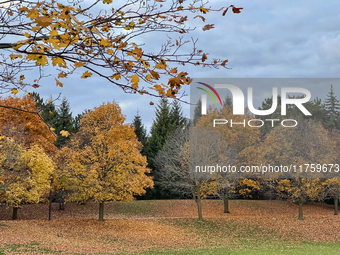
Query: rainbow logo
point(209, 93)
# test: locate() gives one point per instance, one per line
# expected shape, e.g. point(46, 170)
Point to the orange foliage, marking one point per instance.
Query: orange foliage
point(24, 127)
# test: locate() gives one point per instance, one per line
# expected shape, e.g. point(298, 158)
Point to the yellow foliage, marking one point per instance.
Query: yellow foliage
point(26, 174)
point(103, 161)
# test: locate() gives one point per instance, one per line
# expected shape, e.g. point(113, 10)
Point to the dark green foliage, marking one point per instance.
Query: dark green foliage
point(140, 132)
point(228, 101)
point(197, 112)
point(315, 107)
point(167, 120)
point(64, 122)
point(60, 118)
point(48, 110)
point(332, 110)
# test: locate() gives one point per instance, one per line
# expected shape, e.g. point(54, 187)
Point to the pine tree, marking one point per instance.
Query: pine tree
point(140, 132)
point(228, 101)
point(176, 116)
point(159, 130)
point(197, 112)
point(332, 108)
point(64, 122)
point(76, 122)
point(48, 109)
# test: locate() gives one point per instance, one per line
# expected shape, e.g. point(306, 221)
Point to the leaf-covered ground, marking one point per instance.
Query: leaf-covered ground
point(156, 225)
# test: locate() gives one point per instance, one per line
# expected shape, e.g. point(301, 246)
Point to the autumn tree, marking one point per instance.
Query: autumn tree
point(307, 143)
point(243, 142)
point(184, 150)
point(75, 38)
point(26, 174)
point(102, 162)
point(25, 126)
point(331, 188)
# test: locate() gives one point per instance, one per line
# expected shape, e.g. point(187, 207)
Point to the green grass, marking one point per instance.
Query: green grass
point(23, 248)
point(146, 207)
point(304, 248)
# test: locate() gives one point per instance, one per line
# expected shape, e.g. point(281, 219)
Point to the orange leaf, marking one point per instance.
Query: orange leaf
point(237, 10)
point(58, 82)
point(208, 27)
point(79, 64)
point(224, 62)
point(86, 75)
point(204, 57)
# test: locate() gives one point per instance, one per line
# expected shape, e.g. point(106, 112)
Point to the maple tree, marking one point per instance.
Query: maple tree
point(183, 151)
point(25, 174)
point(242, 150)
point(102, 38)
point(307, 143)
point(25, 126)
point(102, 161)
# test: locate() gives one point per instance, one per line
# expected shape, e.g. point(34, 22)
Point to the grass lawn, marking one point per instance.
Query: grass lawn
point(171, 227)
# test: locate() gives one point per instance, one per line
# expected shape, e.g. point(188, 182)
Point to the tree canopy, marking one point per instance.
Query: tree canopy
point(102, 38)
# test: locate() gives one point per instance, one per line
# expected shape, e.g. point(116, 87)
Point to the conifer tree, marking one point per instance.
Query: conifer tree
point(140, 132)
point(197, 112)
point(64, 122)
point(332, 108)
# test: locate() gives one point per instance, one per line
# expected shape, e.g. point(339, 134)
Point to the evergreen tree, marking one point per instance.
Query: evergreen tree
point(332, 108)
point(64, 122)
point(197, 112)
point(176, 115)
point(140, 132)
point(159, 130)
point(48, 109)
point(228, 101)
point(76, 122)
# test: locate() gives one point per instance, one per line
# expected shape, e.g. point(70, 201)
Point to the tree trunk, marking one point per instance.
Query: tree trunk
point(199, 207)
point(226, 203)
point(15, 213)
point(300, 210)
point(336, 202)
point(101, 211)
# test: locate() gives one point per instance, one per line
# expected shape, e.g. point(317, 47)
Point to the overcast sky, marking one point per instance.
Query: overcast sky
point(269, 39)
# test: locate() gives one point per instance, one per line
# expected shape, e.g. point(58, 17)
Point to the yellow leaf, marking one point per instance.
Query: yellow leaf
point(15, 91)
point(58, 83)
point(14, 56)
point(27, 35)
point(134, 78)
point(62, 75)
point(52, 129)
point(22, 77)
point(138, 52)
point(29, 94)
point(59, 61)
point(204, 10)
point(86, 75)
point(148, 77)
point(79, 64)
point(64, 133)
point(154, 74)
point(49, 101)
point(116, 76)
point(134, 85)
point(174, 70)
point(43, 21)
point(110, 51)
point(51, 112)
